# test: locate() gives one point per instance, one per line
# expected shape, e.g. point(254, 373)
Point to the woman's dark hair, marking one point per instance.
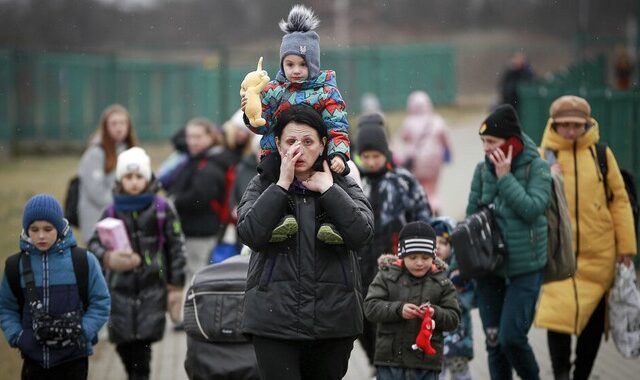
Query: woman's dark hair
point(303, 114)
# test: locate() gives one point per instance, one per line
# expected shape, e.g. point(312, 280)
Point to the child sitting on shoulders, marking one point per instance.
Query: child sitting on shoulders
point(300, 80)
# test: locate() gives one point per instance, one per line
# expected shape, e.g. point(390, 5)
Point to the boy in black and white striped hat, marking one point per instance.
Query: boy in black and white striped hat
point(417, 247)
point(398, 299)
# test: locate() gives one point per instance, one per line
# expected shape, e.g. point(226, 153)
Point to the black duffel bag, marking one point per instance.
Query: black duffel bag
point(213, 308)
point(216, 347)
point(478, 244)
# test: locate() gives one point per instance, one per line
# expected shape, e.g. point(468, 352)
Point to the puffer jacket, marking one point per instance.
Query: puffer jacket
point(601, 230)
point(302, 288)
point(199, 183)
point(320, 92)
point(55, 282)
point(391, 289)
point(139, 296)
point(520, 200)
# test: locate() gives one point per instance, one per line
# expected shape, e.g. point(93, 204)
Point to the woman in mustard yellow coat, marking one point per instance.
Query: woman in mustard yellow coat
point(603, 233)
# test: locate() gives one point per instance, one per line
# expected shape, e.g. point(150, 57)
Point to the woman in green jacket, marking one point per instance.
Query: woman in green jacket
point(517, 182)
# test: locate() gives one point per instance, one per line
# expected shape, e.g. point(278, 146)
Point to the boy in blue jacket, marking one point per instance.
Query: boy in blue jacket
point(32, 326)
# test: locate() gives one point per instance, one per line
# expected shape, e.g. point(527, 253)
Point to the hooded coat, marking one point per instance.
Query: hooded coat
point(424, 138)
point(520, 200)
point(320, 92)
point(393, 287)
point(601, 231)
point(139, 296)
point(56, 285)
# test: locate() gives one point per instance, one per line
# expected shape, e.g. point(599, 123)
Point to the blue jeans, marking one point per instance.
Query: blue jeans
point(399, 373)
point(507, 308)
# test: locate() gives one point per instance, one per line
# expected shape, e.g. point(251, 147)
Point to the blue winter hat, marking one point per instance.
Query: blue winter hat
point(443, 227)
point(43, 207)
point(300, 39)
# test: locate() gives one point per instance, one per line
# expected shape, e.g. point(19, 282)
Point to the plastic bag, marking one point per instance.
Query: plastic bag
point(624, 312)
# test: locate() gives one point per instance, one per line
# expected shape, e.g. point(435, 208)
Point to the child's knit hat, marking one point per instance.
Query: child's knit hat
point(133, 160)
point(443, 227)
point(417, 237)
point(43, 207)
point(300, 39)
point(372, 137)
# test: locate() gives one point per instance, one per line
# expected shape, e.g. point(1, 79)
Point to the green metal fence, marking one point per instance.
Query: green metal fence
point(392, 73)
point(617, 112)
point(47, 96)
point(7, 102)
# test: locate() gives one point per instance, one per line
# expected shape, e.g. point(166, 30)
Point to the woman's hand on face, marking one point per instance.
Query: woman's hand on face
point(288, 165)
point(320, 181)
point(501, 162)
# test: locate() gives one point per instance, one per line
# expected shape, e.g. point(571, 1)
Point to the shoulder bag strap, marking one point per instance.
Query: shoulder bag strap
point(81, 270)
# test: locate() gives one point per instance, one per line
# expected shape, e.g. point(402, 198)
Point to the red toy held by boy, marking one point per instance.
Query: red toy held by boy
point(423, 340)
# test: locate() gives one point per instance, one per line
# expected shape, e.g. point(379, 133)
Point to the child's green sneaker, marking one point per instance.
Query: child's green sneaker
point(287, 227)
point(328, 234)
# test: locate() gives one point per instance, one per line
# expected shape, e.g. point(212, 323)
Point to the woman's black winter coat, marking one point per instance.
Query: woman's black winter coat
point(303, 289)
point(199, 183)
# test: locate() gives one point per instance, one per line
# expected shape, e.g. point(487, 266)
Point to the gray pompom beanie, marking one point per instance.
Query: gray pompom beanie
point(300, 39)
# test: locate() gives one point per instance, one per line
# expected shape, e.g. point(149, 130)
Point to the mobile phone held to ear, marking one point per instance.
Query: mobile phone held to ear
point(515, 143)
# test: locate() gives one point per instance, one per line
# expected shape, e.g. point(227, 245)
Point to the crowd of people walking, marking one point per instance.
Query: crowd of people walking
point(345, 232)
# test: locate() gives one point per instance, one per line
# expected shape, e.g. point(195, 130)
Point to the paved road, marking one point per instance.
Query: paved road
point(168, 355)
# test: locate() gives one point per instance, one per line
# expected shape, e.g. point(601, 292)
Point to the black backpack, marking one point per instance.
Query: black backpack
point(80, 268)
point(627, 177)
point(71, 201)
point(478, 244)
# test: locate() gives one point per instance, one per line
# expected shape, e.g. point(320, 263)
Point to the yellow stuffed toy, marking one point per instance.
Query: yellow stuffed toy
point(250, 88)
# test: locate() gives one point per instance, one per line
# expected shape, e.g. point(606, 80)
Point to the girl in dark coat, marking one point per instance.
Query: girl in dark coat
point(140, 278)
point(303, 304)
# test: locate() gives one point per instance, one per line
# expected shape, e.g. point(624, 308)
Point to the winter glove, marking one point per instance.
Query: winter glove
point(121, 261)
point(174, 302)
